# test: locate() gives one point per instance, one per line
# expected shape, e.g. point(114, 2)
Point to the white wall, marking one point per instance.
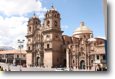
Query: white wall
point(105, 15)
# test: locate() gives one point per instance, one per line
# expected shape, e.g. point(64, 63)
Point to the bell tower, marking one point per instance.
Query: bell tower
point(52, 19)
point(34, 24)
point(52, 38)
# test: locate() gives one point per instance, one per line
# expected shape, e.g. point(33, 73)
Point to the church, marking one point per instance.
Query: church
point(46, 46)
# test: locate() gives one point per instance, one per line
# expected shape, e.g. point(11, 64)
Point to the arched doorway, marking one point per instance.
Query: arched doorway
point(82, 64)
point(64, 63)
point(38, 61)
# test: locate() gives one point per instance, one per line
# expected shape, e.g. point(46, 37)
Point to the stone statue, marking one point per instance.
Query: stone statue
point(92, 47)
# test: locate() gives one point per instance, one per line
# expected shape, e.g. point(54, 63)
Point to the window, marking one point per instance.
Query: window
point(28, 39)
point(29, 48)
point(47, 36)
point(48, 23)
point(100, 42)
point(17, 56)
point(57, 60)
point(36, 22)
point(47, 45)
point(23, 55)
point(56, 36)
point(64, 50)
point(84, 36)
point(55, 15)
point(68, 42)
point(29, 28)
point(97, 56)
point(55, 23)
point(91, 61)
point(73, 61)
point(103, 57)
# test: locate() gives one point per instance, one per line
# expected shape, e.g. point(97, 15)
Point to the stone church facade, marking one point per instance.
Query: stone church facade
point(46, 46)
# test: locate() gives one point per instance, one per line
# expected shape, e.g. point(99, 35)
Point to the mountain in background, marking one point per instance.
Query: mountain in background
point(6, 48)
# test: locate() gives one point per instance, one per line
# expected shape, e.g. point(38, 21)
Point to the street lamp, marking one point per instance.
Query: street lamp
point(20, 46)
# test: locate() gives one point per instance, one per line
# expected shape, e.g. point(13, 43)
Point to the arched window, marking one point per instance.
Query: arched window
point(64, 50)
point(29, 48)
point(73, 61)
point(47, 45)
point(91, 61)
point(68, 42)
point(30, 29)
point(36, 22)
point(84, 36)
point(55, 15)
point(48, 23)
point(55, 23)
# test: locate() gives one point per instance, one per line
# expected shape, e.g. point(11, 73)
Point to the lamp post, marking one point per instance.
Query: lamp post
point(91, 39)
point(20, 46)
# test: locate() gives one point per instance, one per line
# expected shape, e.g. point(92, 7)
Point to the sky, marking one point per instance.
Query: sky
point(14, 15)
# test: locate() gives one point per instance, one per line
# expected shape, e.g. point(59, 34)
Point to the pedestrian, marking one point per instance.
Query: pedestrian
point(97, 69)
point(5, 69)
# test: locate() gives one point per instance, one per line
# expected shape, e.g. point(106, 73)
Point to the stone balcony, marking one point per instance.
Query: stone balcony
point(103, 61)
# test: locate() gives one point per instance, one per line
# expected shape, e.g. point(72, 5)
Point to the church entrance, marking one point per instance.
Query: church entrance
point(64, 63)
point(38, 61)
point(82, 64)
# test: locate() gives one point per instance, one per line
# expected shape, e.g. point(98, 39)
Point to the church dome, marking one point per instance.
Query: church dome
point(52, 9)
point(34, 17)
point(82, 29)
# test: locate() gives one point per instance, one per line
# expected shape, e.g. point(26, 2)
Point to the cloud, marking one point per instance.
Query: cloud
point(20, 7)
point(64, 26)
point(12, 29)
point(41, 15)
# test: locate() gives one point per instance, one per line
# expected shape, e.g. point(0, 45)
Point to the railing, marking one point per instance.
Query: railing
point(103, 61)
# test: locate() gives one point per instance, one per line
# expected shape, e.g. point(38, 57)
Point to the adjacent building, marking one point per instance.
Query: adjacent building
point(99, 57)
point(13, 56)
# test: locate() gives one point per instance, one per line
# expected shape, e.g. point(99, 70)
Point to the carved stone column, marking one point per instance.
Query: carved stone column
point(86, 57)
point(67, 57)
point(88, 61)
point(70, 60)
point(77, 58)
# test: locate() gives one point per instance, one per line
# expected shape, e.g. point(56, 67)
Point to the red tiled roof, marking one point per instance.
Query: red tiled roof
point(13, 52)
point(98, 52)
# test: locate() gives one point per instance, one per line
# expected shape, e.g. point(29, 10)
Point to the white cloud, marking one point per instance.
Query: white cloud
point(64, 26)
point(41, 15)
point(12, 29)
point(20, 7)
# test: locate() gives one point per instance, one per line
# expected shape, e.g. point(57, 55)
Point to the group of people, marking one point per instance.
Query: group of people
point(1, 69)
